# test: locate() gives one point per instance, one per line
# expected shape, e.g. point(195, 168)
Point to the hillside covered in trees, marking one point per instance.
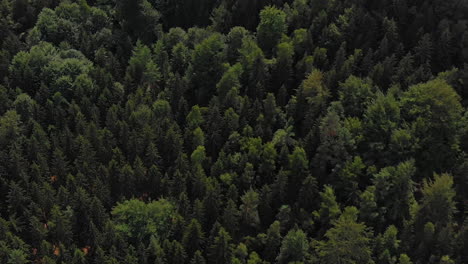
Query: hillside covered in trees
point(233, 131)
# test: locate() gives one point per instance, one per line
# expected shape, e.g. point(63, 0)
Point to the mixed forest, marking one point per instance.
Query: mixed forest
point(233, 131)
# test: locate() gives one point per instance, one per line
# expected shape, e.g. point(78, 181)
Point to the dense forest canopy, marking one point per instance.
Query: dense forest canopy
point(233, 131)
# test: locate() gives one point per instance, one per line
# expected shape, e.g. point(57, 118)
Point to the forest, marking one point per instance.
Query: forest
point(233, 131)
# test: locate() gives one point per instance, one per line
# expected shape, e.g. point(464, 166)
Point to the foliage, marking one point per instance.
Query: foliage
point(228, 131)
point(139, 221)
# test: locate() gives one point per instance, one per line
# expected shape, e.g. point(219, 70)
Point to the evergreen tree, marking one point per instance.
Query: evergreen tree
point(347, 241)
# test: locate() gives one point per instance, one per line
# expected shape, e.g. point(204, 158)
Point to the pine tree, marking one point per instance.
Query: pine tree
point(220, 251)
point(294, 247)
point(193, 239)
point(347, 241)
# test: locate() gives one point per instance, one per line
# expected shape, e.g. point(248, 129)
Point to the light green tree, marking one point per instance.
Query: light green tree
point(138, 220)
point(271, 27)
point(347, 241)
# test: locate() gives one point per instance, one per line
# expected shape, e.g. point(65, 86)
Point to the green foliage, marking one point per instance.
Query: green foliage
point(45, 63)
point(198, 155)
point(437, 205)
point(150, 131)
point(349, 177)
point(347, 241)
point(387, 245)
point(234, 41)
point(435, 111)
point(221, 249)
point(273, 241)
point(355, 94)
point(198, 137)
point(193, 239)
point(10, 127)
point(284, 61)
point(271, 27)
point(294, 247)
point(315, 92)
point(139, 18)
point(198, 258)
point(194, 118)
point(229, 81)
point(139, 221)
point(336, 142)
point(17, 257)
point(394, 192)
point(249, 208)
point(207, 62)
point(433, 218)
point(329, 208)
point(60, 228)
point(141, 68)
point(404, 259)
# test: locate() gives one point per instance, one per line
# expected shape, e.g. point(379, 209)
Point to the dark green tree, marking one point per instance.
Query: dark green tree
point(271, 27)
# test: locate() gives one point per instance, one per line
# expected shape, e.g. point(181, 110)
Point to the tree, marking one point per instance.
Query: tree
point(221, 18)
point(229, 80)
point(17, 256)
point(381, 117)
point(138, 221)
point(194, 118)
point(249, 209)
point(220, 251)
point(299, 13)
point(433, 218)
point(446, 260)
point(387, 245)
point(207, 61)
point(234, 41)
point(314, 95)
point(240, 253)
point(268, 165)
point(180, 58)
point(355, 94)
point(437, 205)
point(394, 192)
point(273, 241)
point(350, 176)
point(230, 217)
point(10, 127)
point(434, 110)
point(294, 247)
point(368, 206)
point(299, 170)
point(347, 241)
point(308, 194)
point(404, 259)
point(254, 258)
point(79, 257)
point(177, 253)
point(198, 258)
point(60, 225)
point(424, 49)
point(271, 27)
point(198, 138)
point(254, 68)
point(193, 239)
point(24, 106)
point(141, 67)
point(198, 156)
point(140, 18)
point(284, 63)
point(329, 208)
point(336, 143)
